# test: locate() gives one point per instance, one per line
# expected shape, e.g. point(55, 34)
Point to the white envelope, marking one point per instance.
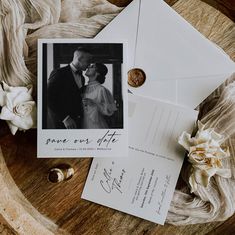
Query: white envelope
point(181, 65)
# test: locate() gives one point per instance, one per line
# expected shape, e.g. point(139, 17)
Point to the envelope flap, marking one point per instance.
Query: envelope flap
point(170, 45)
point(168, 48)
point(124, 26)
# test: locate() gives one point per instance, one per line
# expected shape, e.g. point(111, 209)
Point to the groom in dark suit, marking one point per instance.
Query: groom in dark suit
point(64, 91)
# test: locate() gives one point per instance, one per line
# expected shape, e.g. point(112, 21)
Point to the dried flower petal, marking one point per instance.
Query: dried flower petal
point(206, 154)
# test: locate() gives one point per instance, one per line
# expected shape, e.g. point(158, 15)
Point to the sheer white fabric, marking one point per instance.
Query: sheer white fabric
point(216, 202)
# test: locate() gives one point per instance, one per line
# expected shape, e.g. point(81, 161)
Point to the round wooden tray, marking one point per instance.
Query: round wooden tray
point(30, 204)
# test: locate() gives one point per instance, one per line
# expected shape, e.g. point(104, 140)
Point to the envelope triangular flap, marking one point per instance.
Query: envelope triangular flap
point(168, 47)
point(175, 57)
point(191, 92)
point(124, 26)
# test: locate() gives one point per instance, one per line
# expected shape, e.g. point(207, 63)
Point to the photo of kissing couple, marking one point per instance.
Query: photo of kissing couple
point(82, 86)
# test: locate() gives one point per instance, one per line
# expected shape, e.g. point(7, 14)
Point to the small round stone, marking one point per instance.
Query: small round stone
point(60, 173)
point(55, 175)
point(136, 77)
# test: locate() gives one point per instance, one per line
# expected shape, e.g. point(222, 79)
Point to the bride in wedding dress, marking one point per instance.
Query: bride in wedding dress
point(98, 101)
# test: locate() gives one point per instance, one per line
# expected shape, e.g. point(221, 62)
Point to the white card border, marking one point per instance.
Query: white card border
point(122, 150)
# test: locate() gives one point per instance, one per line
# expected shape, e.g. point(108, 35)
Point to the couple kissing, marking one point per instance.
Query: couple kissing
point(74, 105)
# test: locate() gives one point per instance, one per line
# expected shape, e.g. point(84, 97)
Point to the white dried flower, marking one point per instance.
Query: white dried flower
point(18, 107)
point(205, 153)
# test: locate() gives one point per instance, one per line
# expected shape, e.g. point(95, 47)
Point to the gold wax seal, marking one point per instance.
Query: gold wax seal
point(136, 77)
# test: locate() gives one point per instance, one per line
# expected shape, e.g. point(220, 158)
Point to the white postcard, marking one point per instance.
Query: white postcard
point(82, 98)
point(143, 184)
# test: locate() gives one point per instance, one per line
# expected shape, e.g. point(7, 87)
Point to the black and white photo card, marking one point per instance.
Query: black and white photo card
point(82, 98)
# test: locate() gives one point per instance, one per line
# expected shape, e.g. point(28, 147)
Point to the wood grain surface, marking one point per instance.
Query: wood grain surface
point(225, 6)
point(62, 202)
